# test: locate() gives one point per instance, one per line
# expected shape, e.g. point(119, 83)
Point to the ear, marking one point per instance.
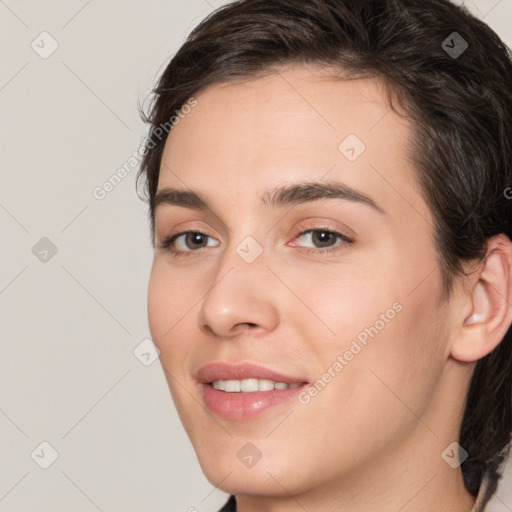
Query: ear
point(488, 314)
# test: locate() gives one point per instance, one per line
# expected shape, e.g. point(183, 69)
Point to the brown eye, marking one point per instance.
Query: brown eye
point(186, 242)
point(324, 239)
point(192, 239)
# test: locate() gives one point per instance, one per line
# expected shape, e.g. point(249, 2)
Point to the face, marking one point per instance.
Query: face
point(330, 290)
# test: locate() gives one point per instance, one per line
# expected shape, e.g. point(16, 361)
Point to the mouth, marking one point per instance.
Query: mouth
point(245, 391)
point(251, 385)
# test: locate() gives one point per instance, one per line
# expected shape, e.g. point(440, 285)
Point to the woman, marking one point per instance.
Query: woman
point(339, 338)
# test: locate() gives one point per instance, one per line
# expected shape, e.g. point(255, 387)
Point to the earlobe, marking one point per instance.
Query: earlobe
point(490, 295)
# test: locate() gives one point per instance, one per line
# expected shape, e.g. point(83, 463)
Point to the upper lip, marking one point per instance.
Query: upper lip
point(229, 371)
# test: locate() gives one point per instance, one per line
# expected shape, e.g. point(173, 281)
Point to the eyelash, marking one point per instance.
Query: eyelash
point(168, 242)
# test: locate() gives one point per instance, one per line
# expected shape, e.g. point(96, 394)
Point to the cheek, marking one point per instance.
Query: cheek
point(377, 397)
point(349, 303)
point(169, 314)
point(398, 370)
point(395, 347)
point(158, 304)
point(169, 302)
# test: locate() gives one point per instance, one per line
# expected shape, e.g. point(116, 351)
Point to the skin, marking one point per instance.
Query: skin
point(372, 438)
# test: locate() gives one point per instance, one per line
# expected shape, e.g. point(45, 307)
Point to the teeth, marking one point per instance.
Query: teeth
point(250, 385)
point(232, 386)
point(265, 385)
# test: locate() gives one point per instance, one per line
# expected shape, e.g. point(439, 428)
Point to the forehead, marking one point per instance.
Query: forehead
point(297, 123)
point(300, 104)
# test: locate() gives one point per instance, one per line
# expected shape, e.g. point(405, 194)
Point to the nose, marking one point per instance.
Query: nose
point(241, 297)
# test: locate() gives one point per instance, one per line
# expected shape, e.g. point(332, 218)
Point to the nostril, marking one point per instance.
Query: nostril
point(247, 323)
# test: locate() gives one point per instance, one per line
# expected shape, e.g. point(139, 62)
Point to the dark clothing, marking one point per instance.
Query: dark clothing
point(230, 506)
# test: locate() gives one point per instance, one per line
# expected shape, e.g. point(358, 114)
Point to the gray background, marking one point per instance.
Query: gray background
point(72, 320)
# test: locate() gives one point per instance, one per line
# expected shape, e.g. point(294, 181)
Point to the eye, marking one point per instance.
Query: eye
point(190, 242)
point(325, 239)
point(194, 239)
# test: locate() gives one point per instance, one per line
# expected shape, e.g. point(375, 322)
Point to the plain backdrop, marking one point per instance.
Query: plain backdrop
point(77, 392)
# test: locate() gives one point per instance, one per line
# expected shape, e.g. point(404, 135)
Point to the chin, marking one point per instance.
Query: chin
point(251, 481)
point(229, 467)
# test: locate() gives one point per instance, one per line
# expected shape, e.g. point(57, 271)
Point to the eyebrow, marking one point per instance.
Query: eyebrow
point(284, 195)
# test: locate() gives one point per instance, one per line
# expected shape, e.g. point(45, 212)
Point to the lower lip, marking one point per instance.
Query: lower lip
point(242, 406)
